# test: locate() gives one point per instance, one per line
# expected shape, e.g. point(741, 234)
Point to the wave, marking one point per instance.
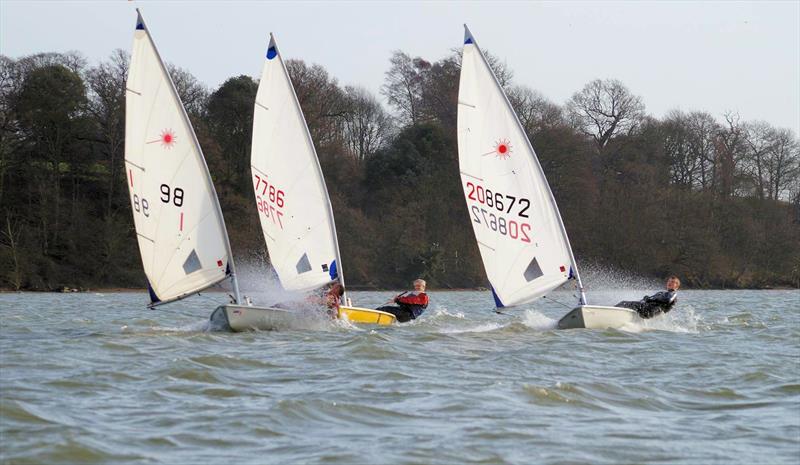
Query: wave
point(481, 328)
point(538, 321)
point(683, 320)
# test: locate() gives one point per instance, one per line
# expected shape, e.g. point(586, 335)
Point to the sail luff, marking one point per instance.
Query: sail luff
point(470, 39)
point(208, 180)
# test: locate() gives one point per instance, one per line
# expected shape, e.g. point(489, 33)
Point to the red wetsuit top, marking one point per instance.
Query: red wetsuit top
point(412, 298)
point(416, 302)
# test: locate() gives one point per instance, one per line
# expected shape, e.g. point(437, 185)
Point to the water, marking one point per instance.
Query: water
point(95, 378)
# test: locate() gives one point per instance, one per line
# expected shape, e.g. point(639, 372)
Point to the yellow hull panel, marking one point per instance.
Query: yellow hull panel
point(365, 315)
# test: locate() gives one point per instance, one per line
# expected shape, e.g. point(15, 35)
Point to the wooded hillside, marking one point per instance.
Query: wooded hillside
point(712, 198)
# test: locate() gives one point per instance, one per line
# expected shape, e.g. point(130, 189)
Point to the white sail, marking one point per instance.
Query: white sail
point(291, 197)
point(179, 225)
point(517, 225)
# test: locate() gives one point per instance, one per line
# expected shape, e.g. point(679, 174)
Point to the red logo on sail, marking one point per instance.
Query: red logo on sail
point(502, 149)
point(167, 138)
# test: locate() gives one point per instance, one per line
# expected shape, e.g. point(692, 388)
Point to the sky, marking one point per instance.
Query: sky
point(709, 56)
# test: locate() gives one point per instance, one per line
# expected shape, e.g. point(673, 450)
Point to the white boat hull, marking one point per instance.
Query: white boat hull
point(247, 318)
point(597, 317)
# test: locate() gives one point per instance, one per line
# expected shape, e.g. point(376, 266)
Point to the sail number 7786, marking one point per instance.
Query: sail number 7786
point(269, 200)
point(499, 204)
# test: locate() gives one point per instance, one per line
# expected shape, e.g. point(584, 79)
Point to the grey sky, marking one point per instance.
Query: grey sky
point(712, 56)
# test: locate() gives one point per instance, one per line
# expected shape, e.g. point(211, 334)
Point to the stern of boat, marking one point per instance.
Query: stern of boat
point(365, 316)
point(597, 317)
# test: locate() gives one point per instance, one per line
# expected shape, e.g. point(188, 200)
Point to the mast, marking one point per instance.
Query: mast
point(273, 46)
point(470, 39)
point(140, 24)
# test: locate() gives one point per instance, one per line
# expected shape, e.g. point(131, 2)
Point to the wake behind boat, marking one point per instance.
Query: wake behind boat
point(520, 234)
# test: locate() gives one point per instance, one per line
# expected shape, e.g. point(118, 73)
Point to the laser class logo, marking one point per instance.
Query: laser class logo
point(167, 139)
point(502, 149)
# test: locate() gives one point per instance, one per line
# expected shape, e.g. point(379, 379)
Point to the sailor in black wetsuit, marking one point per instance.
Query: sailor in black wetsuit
point(658, 303)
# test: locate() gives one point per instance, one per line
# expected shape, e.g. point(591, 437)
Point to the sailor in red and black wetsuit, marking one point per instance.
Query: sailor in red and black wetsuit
point(410, 305)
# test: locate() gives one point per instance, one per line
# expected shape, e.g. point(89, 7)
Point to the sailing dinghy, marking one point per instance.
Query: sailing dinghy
point(292, 200)
point(520, 234)
point(179, 224)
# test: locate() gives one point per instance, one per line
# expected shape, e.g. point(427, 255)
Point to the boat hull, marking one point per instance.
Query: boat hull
point(597, 317)
point(365, 316)
point(239, 318)
point(246, 318)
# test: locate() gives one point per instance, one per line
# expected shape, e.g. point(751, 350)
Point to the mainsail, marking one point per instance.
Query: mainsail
point(181, 232)
point(291, 196)
point(520, 235)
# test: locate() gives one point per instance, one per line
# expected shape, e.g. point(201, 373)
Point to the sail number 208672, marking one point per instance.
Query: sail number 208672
point(515, 229)
point(269, 200)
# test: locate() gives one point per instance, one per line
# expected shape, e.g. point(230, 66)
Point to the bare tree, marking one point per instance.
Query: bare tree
point(322, 100)
point(758, 140)
point(367, 126)
point(678, 149)
point(703, 129)
point(534, 110)
point(782, 164)
point(403, 86)
point(192, 92)
point(421, 91)
point(106, 83)
point(730, 149)
point(604, 109)
point(440, 93)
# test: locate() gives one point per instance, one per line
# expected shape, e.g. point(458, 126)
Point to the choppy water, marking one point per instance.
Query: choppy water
point(96, 378)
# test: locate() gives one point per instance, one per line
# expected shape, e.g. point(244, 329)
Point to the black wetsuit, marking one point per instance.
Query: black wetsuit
point(650, 306)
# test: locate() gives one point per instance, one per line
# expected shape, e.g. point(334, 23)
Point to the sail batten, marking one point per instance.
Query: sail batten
point(182, 238)
point(294, 208)
point(525, 248)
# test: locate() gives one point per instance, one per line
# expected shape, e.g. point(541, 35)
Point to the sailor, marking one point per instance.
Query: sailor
point(410, 305)
point(333, 299)
point(660, 302)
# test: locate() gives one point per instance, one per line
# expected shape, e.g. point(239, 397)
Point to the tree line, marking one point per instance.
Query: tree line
point(715, 200)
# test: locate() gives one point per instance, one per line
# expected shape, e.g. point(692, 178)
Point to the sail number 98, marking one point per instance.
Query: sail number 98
point(498, 201)
point(173, 195)
point(141, 205)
